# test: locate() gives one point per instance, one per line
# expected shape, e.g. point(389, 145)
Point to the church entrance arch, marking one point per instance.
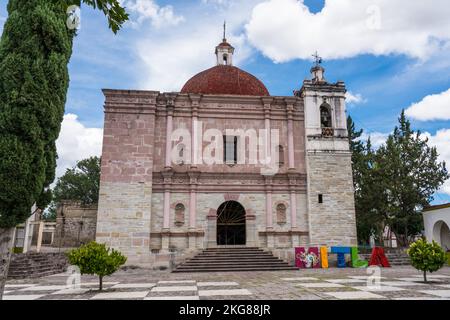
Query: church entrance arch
point(231, 224)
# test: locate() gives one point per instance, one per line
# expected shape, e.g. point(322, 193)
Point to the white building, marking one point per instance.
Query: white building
point(437, 221)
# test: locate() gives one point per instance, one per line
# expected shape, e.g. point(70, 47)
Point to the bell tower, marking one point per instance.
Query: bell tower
point(224, 51)
point(330, 192)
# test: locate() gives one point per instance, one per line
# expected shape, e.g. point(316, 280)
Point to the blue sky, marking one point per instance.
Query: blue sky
point(401, 59)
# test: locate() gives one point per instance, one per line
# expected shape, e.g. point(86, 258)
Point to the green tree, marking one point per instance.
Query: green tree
point(411, 174)
point(95, 259)
point(80, 183)
point(426, 257)
point(35, 49)
point(368, 200)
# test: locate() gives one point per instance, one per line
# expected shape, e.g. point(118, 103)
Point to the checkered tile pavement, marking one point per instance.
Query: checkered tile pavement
point(360, 287)
point(161, 290)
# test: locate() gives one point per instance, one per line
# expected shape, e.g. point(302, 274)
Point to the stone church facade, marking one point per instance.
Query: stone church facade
point(153, 203)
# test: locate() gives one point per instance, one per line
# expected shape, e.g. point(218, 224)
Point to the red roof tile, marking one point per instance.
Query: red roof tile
point(225, 80)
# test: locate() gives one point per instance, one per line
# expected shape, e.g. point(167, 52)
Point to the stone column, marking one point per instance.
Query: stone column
point(169, 129)
point(211, 232)
point(165, 241)
point(290, 109)
point(267, 106)
point(250, 225)
point(193, 176)
point(269, 213)
point(295, 238)
point(39, 239)
point(195, 101)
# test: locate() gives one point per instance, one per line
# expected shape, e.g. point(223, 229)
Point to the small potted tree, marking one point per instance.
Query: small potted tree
point(96, 259)
point(426, 256)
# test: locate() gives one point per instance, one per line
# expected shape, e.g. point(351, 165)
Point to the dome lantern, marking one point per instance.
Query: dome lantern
point(224, 51)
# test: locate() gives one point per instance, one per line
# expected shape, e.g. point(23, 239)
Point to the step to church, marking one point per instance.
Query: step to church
point(35, 265)
point(233, 259)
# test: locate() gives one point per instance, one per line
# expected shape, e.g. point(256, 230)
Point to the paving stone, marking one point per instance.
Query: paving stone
point(71, 291)
point(381, 288)
point(19, 285)
point(45, 288)
point(224, 292)
point(320, 285)
point(176, 282)
point(351, 295)
point(300, 279)
point(22, 297)
point(174, 298)
point(133, 285)
point(439, 293)
point(218, 284)
point(120, 295)
point(174, 288)
point(401, 283)
point(346, 280)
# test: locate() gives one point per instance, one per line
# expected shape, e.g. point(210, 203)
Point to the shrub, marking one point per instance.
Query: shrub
point(426, 256)
point(17, 250)
point(96, 259)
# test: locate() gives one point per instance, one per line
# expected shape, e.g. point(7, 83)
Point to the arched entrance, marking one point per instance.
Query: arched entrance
point(441, 234)
point(231, 224)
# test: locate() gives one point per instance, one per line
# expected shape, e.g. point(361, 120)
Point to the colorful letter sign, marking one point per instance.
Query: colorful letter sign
point(307, 258)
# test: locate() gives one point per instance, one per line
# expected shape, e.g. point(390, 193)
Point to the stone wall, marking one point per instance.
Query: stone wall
point(124, 214)
point(75, 224)
point(333, 221)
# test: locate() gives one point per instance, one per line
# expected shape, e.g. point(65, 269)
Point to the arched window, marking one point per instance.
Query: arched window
point(225, 59)
point(179, 214)
point(325, 116)
point(281, 213)
point(280, 151)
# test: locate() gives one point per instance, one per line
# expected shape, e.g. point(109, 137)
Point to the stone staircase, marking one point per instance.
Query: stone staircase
point(233, 259)
point(35, 265)
point(395, 258)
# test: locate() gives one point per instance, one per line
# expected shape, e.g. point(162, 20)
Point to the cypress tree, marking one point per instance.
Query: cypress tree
point(35, 49)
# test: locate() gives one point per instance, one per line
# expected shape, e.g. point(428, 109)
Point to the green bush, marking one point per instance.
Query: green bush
point(426, 256)
point(96, 259)
point(17, 250)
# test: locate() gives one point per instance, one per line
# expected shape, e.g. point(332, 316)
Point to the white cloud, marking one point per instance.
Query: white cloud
point(76, 142)
point(354, 98)
point(376, 138)
point(432, 107)
point(149, 10)
point(171, 58)
point(285, 29)
point(442, 143)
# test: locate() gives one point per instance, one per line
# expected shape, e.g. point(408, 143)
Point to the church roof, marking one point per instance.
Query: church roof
point(225, 79)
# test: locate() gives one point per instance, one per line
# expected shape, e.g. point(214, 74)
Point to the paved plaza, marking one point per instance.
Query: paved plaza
point(397, 283)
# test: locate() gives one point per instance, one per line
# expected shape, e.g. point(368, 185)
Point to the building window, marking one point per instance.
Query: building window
point(281, 213)
point(179, 214)
point(325, 116)
point(280, 151)
point(230, 149)
point(225, 59)
point(320, 198)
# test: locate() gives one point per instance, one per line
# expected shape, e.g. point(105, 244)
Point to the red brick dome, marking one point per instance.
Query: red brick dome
point(225, 79)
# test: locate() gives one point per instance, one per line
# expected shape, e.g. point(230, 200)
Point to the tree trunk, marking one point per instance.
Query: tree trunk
point(101, 282)
point(425, 276)
point(6, 244)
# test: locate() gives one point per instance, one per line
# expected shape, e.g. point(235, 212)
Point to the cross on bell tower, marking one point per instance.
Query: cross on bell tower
point(317, 70)
point(224, 51)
